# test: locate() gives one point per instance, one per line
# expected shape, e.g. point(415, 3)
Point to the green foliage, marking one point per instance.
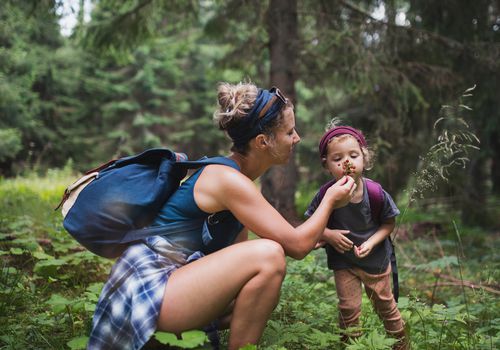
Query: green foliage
point(451, 150)
point(119, 26)
point(143, 73)
point(78, 343)
point(189, 340)
point(27, 80)
point(49, 286)
point(10, 143)
point(46, 281)
point(373, 341)
point(153, 84)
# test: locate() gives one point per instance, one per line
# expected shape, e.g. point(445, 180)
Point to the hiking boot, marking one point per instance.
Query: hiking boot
point(403, 341)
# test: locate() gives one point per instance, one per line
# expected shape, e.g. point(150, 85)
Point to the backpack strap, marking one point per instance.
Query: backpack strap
point(195, 164)
point(376, 198)
point(185, 164)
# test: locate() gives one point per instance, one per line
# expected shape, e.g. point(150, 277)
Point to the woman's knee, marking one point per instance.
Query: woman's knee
point(270, 256)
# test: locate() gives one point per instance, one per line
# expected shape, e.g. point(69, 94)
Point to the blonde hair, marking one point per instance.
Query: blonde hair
point(234, 101)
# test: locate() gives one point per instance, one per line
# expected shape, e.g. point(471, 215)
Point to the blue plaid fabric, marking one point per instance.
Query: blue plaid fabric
point(127, 311)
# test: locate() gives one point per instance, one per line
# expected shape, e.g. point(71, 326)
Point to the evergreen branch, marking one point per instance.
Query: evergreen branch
point(446, 40)
point(492, 48)
point(118, 32)
point(131, 26)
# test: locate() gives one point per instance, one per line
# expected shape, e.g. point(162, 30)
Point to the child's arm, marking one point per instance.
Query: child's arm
point(384, 230)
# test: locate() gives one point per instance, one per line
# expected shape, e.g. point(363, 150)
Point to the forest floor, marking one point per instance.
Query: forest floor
point(448, 276)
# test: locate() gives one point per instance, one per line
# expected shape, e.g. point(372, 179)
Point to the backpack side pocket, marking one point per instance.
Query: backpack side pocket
point(71, 193)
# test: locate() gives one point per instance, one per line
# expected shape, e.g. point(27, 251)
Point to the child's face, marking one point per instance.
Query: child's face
point(344, 157)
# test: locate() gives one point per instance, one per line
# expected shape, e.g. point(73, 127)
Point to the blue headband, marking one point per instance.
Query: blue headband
point(267, 106)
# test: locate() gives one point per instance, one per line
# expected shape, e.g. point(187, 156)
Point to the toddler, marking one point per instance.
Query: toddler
point(357, 235)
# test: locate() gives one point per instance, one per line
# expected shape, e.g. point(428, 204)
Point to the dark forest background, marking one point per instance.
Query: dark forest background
point(143, 73)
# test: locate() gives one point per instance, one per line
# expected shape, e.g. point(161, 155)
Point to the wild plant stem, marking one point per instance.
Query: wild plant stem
point(434, 289)
point(459, 259)
point(423, 324)
point(441, 333)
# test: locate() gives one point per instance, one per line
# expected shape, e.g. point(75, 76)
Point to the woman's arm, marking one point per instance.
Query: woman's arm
point(220, 188)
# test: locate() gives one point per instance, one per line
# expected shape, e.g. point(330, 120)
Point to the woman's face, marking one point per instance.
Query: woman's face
point(285, 138)
point(344, 157)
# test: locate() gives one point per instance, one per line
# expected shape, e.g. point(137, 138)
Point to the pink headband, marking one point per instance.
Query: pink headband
point(337, 131)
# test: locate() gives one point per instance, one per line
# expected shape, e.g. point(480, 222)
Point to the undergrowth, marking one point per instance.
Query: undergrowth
point(49, 286)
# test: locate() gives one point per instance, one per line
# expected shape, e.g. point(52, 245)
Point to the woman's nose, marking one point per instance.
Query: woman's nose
point(297, 137)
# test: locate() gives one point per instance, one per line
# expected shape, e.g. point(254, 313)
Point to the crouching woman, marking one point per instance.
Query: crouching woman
point(190, 279)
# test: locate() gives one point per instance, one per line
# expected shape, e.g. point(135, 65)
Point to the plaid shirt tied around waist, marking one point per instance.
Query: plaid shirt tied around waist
point(127, 312)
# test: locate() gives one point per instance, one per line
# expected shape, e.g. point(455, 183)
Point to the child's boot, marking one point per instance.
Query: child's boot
point(403, 342)
point(350, 333)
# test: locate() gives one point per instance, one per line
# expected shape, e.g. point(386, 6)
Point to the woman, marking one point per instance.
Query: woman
point(176, 282)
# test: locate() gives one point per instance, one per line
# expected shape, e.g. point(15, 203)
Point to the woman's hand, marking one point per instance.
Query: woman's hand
point(341, 191)
point(363, 250)
point(338, 240)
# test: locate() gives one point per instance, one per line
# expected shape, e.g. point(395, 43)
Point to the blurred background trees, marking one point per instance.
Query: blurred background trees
point(143, 73)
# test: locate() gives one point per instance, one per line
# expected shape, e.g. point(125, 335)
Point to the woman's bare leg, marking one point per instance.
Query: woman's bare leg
point(250, 273)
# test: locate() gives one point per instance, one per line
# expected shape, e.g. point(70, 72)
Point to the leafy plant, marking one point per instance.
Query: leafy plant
point(189, 340)
point(49, 287)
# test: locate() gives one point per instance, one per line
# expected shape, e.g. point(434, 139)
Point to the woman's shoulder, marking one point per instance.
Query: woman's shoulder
point(219, 187)
point(224, 177)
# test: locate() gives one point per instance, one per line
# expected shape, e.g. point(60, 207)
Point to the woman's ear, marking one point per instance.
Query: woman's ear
point(261, 141)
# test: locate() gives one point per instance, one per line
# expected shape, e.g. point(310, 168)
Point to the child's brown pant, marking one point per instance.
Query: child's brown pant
point(378, 289)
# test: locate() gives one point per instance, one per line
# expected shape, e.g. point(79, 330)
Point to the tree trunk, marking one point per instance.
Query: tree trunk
point(495, 163)
point(473, 201)
point(279, 183)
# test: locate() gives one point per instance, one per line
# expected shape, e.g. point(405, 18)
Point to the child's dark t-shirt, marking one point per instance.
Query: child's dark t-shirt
point(357, 218)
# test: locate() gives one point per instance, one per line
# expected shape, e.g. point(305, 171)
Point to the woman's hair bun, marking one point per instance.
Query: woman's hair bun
point(234, 102)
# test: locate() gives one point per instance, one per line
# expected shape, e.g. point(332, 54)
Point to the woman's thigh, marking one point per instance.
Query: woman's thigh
point(201, 291)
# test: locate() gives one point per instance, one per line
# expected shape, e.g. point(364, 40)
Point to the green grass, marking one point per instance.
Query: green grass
point(49, 285)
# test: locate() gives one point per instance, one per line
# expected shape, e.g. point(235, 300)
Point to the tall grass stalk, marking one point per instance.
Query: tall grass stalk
point(459, 259)
point(451, 149)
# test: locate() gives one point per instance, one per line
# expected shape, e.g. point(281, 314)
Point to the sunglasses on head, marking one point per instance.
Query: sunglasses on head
point(277, 95)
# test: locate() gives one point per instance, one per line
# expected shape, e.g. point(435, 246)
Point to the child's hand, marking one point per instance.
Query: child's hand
point(338, 240)
point(363, 250)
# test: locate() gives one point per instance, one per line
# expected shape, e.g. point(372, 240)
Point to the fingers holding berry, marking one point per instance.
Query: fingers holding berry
point(348, 167)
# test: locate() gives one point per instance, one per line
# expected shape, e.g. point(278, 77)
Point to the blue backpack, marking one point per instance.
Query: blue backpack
point(111, 205)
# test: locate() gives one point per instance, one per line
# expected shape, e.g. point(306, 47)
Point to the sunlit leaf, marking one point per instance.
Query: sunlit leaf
point(190, 339)
point(42, 256)
point(58, 303)
point(16, 251)
point(78, 343)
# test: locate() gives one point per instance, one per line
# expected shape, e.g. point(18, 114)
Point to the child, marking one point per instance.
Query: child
point(358, 247)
